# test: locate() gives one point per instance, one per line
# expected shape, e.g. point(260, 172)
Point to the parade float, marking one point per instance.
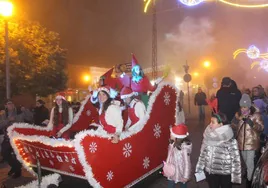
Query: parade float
point(91, 155)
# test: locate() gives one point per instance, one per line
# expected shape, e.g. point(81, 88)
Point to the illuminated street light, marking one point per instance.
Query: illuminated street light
point(6, 9)
point(207, 64)
point(86, 78)
point(196, 74)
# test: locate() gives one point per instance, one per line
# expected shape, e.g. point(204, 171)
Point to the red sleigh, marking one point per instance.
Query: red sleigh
point(92, 156)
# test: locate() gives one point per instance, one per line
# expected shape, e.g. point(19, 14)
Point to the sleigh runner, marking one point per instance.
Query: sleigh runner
point(91, 155)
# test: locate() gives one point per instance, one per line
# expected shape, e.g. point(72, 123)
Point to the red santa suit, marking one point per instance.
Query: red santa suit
point(136, 108)
point(63, 129)
point(142, 86)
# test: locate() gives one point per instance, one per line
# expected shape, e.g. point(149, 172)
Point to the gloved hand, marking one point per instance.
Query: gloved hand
point(249, 122)
point(95, 93)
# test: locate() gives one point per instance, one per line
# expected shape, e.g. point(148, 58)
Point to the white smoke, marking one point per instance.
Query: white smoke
point(192, 37)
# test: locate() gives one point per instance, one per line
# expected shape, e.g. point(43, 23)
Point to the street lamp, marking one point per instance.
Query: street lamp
point(6, 9)
point(206, 64)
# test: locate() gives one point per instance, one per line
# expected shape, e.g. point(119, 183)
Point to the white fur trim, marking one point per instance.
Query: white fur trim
point(127, 95)
point(134, 129)
point(33, 138)
point(46, 181)
point(104, 89)
point(178, 136)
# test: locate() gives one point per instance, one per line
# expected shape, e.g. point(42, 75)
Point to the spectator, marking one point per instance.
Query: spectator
point(219, 156)
point(247, 125)
point(11, 116)
point(228, 98)
point(200, 101)
point(41, 113)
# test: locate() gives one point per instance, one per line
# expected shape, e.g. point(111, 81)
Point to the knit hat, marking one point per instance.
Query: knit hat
point(245, 101)
point(226, 81)
point(179, 131)
point(61, 95)
point(126, 92)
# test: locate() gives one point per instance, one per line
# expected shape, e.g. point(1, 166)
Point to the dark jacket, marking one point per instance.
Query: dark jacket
point(40, 114)
point(200, 99)
point(228, 101)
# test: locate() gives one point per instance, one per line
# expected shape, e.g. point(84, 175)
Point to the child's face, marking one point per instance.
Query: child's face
point(245, 111)
point(214, 123)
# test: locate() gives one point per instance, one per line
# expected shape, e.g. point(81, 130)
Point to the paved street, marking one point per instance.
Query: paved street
point(155, 181)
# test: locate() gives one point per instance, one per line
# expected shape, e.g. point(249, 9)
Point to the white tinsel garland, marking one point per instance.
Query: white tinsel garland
point(46, 180)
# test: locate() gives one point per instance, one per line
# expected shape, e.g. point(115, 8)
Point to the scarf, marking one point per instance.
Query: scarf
point(217, 136)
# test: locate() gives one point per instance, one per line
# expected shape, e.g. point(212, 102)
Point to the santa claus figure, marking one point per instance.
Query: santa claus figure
point(61, 118)
point(136, 108)
point(110, 117)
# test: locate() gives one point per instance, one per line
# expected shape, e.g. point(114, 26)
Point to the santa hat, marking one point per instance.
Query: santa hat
point(134, 61)
point(179, 131)
point(126, 92)
point(105, 89)
point(61, 95)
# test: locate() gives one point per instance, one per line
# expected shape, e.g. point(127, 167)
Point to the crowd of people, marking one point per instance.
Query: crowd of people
point(232, 142)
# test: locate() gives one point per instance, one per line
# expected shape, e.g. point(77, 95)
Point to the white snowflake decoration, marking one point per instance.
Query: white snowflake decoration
point(37, 154)
point(26, 150)
point(51, 154)
point(110, 175)
point(146, 162)
point(157, 131)
point(73, 161)
point(88, 112)
point(30, 149)
point(167, 98)
point(51, 162)
point(46, 154)
point(42, 155)
point(127, 150)
point(66, 158)
point(71, 168)
point(59, 159)
point(93, 147)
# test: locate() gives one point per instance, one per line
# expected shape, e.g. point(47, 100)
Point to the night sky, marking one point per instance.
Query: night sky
point(105, 32)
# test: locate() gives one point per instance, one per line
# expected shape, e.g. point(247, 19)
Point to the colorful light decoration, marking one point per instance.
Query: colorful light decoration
point(254, 53)
point(233, 3)
point(191, 2)
point(229, 2)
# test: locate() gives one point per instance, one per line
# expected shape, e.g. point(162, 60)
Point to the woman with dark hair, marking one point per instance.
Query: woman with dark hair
point(61, 118)
point(219, 156)
point(110, 116)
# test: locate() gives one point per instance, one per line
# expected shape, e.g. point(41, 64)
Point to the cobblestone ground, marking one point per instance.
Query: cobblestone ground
point(155, 181)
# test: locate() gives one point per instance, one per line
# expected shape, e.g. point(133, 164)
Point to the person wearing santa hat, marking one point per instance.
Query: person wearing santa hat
point(177, 167)
point(110, 116)
point(136, 108)
point(61, 118)
point(140, 82)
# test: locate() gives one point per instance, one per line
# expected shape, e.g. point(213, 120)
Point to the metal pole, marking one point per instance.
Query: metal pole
point(189, 108)
point(8, 95)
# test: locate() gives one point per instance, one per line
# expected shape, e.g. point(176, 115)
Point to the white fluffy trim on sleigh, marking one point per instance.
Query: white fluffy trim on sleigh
point(140, 124)
point(34, 138)
point(54, 179)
